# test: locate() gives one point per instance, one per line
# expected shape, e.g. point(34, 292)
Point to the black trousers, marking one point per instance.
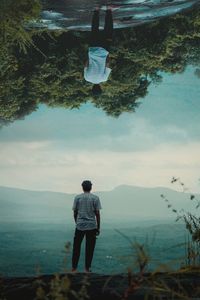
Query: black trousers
point(102, 38)
point(89, 247)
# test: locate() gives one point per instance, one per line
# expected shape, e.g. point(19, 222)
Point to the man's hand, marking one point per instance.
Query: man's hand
point(97, 232)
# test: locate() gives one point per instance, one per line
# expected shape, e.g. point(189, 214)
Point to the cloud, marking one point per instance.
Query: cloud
point(170, 113)
point(60, 170)
point(56, 149)
point(90, 129)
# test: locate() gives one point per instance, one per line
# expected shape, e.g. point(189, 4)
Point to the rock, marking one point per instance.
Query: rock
point(99, 287)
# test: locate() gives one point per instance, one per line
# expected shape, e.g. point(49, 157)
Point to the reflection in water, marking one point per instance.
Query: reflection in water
point(127, 13)
point(97, 68)
point(38, 67)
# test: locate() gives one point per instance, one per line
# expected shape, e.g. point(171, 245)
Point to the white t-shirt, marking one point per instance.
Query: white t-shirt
point(86, 204)
point(96, 71)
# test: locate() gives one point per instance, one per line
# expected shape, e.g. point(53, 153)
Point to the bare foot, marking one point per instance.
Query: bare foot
point(97, 8)
point(74, 270)
point(112, 7)
point(88, 271)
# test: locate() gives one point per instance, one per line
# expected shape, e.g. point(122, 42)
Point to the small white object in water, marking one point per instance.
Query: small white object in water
point(49, 14)
point(112, 7)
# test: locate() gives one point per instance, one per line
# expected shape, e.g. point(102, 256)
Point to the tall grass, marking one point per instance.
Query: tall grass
point(192, 225)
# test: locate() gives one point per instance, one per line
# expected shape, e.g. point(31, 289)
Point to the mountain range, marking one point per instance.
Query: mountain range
point(122, 204)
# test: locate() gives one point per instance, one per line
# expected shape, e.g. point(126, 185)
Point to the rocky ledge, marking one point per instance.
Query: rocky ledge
point(180, 285)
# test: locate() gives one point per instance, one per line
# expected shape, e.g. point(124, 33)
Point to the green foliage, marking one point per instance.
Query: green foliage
point(13, 17)
point(13, 35)
point(192, 225)
point(50, 68)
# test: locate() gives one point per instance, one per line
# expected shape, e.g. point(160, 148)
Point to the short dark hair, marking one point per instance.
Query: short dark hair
point(87, 185)
point(96, 90)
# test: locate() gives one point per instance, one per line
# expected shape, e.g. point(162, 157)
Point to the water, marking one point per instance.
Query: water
point(77, 15)
point(36, 248)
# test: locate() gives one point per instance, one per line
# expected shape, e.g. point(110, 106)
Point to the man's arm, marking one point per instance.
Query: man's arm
point(97, 214)
point(86, 63)
point(75, 215)
point(107, 61)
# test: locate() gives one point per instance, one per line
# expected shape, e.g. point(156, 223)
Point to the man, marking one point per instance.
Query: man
point(87, 218)
point(97, 66)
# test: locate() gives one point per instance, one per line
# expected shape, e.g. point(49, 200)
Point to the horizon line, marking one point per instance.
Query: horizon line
point(98, 191)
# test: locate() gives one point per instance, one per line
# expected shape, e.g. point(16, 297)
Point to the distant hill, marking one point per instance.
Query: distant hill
point(141, 203)
point(124, 203)
point(34, 206)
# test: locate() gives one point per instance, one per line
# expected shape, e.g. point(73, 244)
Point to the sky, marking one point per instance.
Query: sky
point(56, 149)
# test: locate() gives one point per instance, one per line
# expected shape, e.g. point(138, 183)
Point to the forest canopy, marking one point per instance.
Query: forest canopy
point(38, 66)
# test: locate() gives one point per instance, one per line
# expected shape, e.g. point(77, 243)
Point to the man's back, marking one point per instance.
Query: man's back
point(97, 71)
point(86, 204)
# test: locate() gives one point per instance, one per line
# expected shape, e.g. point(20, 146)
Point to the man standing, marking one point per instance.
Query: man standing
point(97, 66)
point(87, 218)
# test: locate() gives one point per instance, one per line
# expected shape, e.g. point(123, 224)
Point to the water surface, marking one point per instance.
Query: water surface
point(127, 13)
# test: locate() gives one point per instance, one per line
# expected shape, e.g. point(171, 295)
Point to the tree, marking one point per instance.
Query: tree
point(54, 74)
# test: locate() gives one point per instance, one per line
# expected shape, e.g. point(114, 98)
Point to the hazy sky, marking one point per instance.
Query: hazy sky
point(55, 149)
